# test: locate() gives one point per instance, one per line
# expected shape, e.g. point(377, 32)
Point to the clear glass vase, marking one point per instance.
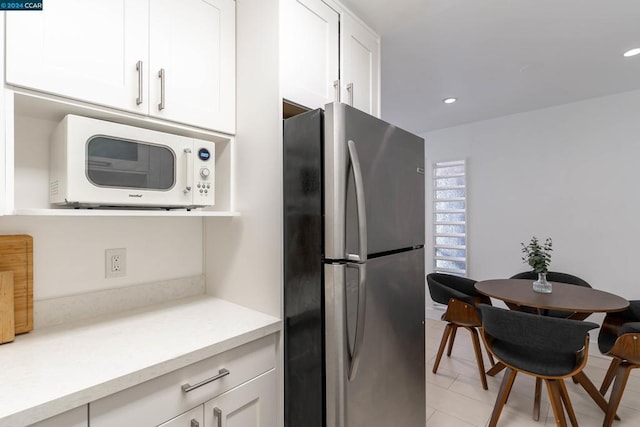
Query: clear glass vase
point(541, 285)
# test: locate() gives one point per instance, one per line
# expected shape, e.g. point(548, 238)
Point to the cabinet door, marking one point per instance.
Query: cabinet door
point(193, 418)
point(193, 43)
point(360, 53)
point(253, 404)
point(82, 49)
point(310, 52)
point(77, 417)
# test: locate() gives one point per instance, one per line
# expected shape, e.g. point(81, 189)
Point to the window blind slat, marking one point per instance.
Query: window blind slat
point(450, 186)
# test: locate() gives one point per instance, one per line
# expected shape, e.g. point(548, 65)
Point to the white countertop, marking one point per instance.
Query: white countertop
point(51, 370)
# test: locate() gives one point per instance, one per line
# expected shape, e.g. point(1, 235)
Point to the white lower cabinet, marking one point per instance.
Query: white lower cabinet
point(77, 417)
point(193, 418)
point(253, 404)
point(176, 398)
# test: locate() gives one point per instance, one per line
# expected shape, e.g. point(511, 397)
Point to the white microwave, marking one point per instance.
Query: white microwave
point(96, 163)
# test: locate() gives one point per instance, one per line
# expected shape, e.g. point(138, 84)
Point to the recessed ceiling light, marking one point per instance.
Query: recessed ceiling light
point(632, 52)
point(449, 100)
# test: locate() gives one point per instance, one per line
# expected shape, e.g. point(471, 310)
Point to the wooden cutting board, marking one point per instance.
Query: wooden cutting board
point(7, 325)
point(16, 255)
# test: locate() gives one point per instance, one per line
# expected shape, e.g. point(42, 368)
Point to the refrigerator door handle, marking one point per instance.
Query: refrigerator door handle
point(360, 204)
point(354, 360)
point(337, 351)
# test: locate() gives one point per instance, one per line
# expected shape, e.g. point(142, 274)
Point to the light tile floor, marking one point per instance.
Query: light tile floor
point(455, 397)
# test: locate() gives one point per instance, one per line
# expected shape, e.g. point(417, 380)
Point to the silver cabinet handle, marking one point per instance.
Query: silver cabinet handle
point(221, 373)
point(218, 414)
point(162, 79)
point(350, 91)
point(195, 423)
point(360, 204)
point(139, 99)
point(336, 89)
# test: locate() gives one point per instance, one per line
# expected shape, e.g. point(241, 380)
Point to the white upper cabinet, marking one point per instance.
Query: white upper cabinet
point(111, 53)
point(310, 32)
point(360, 65)
point(328, 55)
point(192, 62)
point(87, 50)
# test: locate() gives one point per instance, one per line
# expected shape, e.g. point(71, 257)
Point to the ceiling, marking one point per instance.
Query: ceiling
point(498, 57)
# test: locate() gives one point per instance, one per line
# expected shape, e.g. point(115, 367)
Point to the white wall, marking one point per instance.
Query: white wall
point(570, 172)
point(68, 252)
point(244, 254)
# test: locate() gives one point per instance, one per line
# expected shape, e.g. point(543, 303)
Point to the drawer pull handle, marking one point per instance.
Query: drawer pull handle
point(218, 414)
point(194, 423)
point(221, 373)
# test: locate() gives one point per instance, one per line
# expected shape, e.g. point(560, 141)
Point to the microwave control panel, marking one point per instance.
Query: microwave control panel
point(203, 170)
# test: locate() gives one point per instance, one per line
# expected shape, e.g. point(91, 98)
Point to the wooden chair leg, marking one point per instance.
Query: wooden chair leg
point(567, 403)
point(536, 399)
point(592, 391)
point(495, 369)
point(556, 402)
point(503, 394)
point(451, 339)
point(478, 351)
point(611, 373)
point(443, 343)
point(493, 362)
point(622, 375)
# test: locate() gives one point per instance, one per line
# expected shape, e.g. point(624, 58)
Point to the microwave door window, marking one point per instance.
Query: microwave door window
point(120, 163)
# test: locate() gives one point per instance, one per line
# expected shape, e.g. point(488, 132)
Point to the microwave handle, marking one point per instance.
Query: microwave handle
point(189, 169)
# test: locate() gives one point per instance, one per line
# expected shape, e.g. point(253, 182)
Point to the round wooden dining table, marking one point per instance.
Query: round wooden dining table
point(565, 297)
point(579, 300)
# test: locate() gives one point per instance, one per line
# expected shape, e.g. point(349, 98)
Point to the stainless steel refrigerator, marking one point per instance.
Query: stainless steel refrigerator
point(354, 298)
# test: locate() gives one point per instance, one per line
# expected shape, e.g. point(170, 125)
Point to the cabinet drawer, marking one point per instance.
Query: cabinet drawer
point(193, 418)
point(74, 418)
point(162, 398)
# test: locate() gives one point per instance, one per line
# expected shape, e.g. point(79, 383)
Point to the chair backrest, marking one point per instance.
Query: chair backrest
point(442, 287)
point(554, 276)
point(538, 333)
point(613, 324)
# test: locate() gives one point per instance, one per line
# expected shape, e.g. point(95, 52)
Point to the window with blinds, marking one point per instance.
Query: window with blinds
point(450, 217)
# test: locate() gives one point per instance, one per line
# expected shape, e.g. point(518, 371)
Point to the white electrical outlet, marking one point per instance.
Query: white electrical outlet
point(115, 262)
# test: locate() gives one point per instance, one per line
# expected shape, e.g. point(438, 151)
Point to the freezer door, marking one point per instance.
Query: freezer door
point(391, 163)
point(388, 385)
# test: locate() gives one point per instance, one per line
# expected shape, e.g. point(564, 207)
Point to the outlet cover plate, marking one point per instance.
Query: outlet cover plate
point(115, 262)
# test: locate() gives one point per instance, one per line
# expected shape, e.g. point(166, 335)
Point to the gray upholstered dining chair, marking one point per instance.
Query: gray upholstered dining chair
point(619, 337)
point(555, 276)
point(548, 348)
point(461, 299)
